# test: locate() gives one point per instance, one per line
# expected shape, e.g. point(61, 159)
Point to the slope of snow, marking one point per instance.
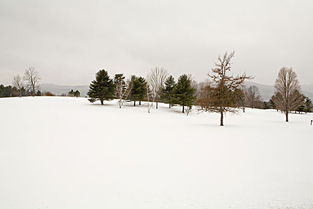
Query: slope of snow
point(64, 153)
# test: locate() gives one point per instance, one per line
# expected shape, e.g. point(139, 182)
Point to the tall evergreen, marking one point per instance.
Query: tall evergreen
point(184, 92)
point(139, 89)
point(102, 88)
point(168, 91)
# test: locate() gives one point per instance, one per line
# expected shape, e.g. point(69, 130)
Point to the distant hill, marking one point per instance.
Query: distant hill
point(266, 91)
point(59, 89)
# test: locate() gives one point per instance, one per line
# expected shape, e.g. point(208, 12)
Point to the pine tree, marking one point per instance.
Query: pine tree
point(168, 93)
point(308, 104)
point(139, 89)
point(184, 92)
point(77, 93)
point(71, 93)
point(102, 88)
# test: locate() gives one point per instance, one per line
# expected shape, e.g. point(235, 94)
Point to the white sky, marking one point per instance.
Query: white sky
point(69, 41)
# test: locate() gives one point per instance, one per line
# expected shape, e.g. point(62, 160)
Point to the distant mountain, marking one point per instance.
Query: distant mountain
point(59, 89)
point(308, 90)
point(266, 91)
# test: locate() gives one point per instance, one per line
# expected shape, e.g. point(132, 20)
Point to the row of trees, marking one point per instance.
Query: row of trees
point(222, 93)
point(28, 85)
point(158, 86)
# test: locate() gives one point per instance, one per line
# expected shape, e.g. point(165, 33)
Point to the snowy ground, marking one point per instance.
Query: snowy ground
point(64, 153)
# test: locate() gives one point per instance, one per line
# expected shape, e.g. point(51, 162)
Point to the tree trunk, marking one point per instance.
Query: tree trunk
point(139, 102)
point(169, 105)
point(101, 100)
point(157, 105)
point(183, 109)
point(287, 118)
point(244, 109)
point(222, 119)
point(134, 103)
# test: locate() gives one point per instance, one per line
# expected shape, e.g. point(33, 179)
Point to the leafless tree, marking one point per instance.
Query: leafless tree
point(156, 80)
point(32, 78)
point(122, 88)
point(124, 92)
point(149, 96)
point(287, 95)
point(222, 96)
point(18, 83)
point(252, 96)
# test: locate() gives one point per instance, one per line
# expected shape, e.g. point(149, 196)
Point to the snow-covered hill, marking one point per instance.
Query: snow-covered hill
point(66, 153)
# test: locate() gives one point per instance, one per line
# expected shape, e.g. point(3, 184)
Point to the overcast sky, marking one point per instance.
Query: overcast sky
point(69, 41)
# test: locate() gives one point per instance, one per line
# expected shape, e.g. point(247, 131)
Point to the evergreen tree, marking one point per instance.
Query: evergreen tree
point(139, 89)
point(38, 93)
point(272, 103)
point(77, 93)
point(308, 105)
point(102, 88)
point(168, 93)
point(9, 91)
point(71, 93)
point(184, 92)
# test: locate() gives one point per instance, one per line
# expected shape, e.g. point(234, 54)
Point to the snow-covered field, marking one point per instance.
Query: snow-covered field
point(65, 153)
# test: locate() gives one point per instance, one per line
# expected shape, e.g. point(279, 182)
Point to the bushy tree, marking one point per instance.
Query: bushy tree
point(77, 93)
point(73, 93)
point(287, 96)
point(184, 92)
point(8, 91)
point(168, 91)
point(224, 92)
point(308, 106)
point(102, 88)
point(138, 90)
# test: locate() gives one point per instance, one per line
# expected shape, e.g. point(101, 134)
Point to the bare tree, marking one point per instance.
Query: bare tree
point(223, 95)
point(252, 96)
point(32, 78)
point(18, 83)
point(120, 88)
point(156, 80)
point(287, 95)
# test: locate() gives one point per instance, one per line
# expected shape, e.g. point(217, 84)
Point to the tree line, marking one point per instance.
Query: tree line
point(28, 85)
point(157, 87)
point(222, 92)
